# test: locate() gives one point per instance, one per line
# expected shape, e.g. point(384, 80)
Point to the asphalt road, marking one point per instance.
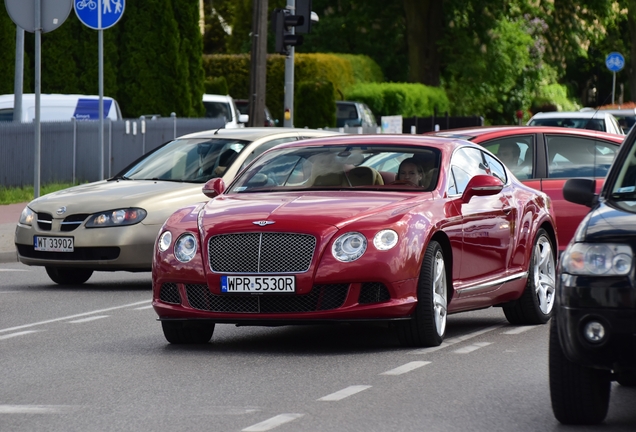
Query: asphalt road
point(93, 358)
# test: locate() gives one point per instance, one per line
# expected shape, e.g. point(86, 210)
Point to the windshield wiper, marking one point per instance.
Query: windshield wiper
point(119, 177)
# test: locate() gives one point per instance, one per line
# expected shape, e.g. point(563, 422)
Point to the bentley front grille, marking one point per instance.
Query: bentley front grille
point(321, 297)
point(261, 253)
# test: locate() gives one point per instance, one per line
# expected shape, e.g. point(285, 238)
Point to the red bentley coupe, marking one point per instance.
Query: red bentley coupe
point(399, 228)
point(545, 157)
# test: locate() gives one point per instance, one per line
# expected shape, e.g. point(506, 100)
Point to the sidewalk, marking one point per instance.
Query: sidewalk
point(9, 216)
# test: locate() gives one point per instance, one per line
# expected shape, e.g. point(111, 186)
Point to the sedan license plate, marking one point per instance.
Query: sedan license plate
point(53, 244)
point(258, 284)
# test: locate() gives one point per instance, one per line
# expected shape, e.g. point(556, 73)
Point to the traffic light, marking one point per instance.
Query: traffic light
point(285, 25)
point(282, 23)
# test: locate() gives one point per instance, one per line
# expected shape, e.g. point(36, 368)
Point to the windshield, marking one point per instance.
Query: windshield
point(372, 167)
point(188, 160)
point(624, 189)
point(577, 123)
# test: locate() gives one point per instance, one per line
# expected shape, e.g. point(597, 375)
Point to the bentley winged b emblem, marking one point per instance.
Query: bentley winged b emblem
point(263, 223)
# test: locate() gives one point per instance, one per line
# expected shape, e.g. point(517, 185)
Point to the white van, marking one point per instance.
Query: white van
point(223, 106)
point(59, 107)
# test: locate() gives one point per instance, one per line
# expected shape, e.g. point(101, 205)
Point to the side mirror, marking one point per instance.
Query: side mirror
point(580, 191)
point(482, 185)
point(213, 187)
point(243, 118)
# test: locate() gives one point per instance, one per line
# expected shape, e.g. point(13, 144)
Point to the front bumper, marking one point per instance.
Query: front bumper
point(128, 248)
point(608, 301)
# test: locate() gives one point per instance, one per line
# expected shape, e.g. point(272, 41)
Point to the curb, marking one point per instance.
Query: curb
point(8, 257)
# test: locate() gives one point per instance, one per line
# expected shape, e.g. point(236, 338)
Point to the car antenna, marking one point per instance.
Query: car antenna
point(217, 131)
point(587, 123)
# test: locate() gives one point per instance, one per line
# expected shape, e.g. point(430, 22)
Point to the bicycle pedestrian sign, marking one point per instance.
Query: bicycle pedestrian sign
point(615, 61)
point(89, 12)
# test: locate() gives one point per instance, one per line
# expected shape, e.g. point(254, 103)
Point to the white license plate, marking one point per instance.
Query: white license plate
point(258, 284)
point(53, 244)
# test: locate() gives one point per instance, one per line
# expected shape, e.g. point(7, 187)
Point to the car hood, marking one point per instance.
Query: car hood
point(607, 223)
point(232, 212)
point(159, 198)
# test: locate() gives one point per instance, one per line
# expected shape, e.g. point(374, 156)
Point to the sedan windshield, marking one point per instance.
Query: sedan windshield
point(342, 167)
point(187, 160)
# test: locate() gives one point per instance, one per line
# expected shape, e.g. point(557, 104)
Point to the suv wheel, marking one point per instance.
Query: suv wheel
point(580, 395)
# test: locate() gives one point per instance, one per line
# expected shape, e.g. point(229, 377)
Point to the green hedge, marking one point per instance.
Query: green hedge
point(342, 70)
point(404, 99)
point(323, 104)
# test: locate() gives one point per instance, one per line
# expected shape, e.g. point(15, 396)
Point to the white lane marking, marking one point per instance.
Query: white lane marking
point(406, 368)
point(144, 307)
point(93, 318)
point(471, 348)
point(273, 422)
point(341, 394)
point(35, 409)
point(518, 330)
point(11, 335)
point(72, 316)
point(455, 340)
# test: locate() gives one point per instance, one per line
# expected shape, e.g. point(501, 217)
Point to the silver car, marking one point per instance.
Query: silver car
point(111, 225)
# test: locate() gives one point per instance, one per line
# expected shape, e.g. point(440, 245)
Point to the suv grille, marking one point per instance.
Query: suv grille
point(321, 297)
point(261, 253)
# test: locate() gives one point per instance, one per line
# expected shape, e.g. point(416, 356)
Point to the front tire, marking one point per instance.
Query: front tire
point(580, 395)
point(537, 301)
point(187, 332)
point(427, 326)
point(68, 276)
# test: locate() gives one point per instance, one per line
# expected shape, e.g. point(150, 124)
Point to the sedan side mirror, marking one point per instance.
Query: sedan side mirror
point(213, 187)
point(482, 185)
point(580, 191)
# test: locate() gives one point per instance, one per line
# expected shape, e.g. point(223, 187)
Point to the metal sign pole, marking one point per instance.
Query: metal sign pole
point(289, 75)
point(613, 87)
point(38, 64)
point(100, 37)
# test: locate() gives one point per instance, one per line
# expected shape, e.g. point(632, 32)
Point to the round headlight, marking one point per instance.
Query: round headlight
point(596, 259)
point(185, 248)
point(349, 247)
point(385, 240)
point(164, 241)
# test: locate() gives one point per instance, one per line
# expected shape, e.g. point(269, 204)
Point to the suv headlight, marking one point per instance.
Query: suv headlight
point(597, 259)
point(119, 217)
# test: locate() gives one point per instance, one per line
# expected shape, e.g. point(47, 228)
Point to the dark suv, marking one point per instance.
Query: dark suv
point(593, 331)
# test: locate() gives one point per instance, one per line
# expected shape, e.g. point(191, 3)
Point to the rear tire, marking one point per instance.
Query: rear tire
point(187, 332)
point(68, 276)
point(537, 301)
point(427, 326)
point(580, 395)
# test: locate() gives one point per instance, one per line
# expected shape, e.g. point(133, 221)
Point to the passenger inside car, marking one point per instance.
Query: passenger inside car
point(410, 171)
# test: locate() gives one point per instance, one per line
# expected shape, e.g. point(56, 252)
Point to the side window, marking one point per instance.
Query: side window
point(516, 153)
point(264, 147)
point(579, 157)
point(466, 163)
point(496, 168)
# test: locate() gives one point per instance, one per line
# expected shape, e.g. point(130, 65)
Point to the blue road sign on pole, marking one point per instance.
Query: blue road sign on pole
point(89, 12)
point(615, 61)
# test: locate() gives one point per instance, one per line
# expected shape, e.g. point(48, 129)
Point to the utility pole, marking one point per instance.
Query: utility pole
point(289, 73)
point(258, 66)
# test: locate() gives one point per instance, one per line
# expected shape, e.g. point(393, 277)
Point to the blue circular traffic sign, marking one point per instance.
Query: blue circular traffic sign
point(615, 61)
point(89, 12)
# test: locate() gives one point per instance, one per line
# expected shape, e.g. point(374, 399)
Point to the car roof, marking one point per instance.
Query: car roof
point(216, 98)
point(382, 139)
point(571, 114)
point(254, 133)
point(485, 132)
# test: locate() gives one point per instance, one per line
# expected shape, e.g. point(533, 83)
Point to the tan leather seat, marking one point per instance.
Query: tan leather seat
point(364, 176)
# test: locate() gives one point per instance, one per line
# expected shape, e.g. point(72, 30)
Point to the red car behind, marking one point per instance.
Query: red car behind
point(548, 156)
